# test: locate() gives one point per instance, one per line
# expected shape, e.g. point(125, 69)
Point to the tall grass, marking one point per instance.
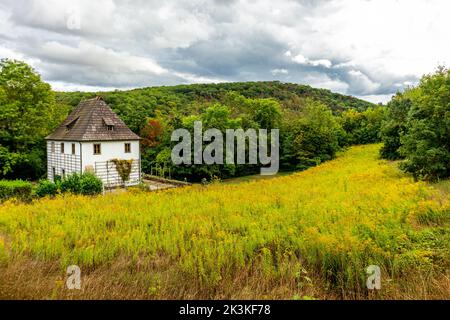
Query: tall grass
point(331, 221)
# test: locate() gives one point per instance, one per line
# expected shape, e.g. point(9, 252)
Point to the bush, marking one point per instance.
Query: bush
point(46, 188)
point(15, 189)
point(90, 184)
point(85, 184)
point(72, 184)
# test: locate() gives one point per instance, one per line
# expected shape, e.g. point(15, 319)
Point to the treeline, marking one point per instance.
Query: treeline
point(417, 130)
point(147, 101)
point(314, 123)
point(309, 135)
point(28, 113)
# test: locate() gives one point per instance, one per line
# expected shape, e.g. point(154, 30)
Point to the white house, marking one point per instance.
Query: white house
point(91, 139)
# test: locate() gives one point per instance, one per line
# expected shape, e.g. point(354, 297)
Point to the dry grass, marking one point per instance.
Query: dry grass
point(27, 278)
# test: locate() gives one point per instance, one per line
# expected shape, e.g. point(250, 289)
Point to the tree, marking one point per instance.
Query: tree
point(216, 116)
point(28, 112)
point(395, 126)
point(316, 135)
point(151, 133)
point(363, 127)
point(426, 144)
point(351, 123)
point(266, 113)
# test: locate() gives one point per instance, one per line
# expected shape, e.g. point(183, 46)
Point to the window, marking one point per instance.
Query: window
point(73, 148)
point(127, 147)
point(62, 147)
point(97, 149)
point(110, 127)
point(52, 147)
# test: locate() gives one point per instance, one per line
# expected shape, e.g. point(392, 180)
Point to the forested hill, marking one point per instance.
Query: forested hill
point(152, 98)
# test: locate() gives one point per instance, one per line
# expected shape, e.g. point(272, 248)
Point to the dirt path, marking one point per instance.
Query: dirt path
point(157, 185)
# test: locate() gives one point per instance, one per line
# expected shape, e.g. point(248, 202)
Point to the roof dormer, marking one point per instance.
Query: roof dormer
point(71, 124)
point(109, 123)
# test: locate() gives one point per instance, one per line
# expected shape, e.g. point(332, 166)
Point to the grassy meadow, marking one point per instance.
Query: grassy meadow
point(308, 235)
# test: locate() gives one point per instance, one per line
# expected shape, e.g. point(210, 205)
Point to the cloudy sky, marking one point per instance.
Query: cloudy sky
point(364, 48)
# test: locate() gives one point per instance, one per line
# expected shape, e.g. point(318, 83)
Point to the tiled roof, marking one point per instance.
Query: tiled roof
point(89, 121)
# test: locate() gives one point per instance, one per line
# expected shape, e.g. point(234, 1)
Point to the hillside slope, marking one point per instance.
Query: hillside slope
point(179, 96)
point(308, 234)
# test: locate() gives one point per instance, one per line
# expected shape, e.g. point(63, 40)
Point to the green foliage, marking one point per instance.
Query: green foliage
point(15, 189)
point(72, 183)
point(28, 112)
point(266, 113)
point(166, 99)
point(418, 128)
point(8, 161)
point(363, 127)
point(216, 116)
point(85, 184)
point(426, 144)
point(316, 136)
point(123, 168)
point(90, 184)
point(394, 126)
point(46, 188)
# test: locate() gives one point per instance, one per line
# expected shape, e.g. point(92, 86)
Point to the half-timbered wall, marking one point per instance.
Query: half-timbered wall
point(62, 164)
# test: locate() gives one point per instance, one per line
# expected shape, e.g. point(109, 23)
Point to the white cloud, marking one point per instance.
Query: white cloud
point(380, 98)
point(65, 86)
point(362, 82)
point(180, 28)
point(321, 62)
point(96, 17)
point(107, 60)
point(276, 72)
point(320, 80)
point(300, 59)
point(388, 38)
point(192, 78)
point(10, 54)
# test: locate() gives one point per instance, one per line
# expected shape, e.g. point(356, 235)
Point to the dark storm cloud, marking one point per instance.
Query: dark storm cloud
point(228, 57)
